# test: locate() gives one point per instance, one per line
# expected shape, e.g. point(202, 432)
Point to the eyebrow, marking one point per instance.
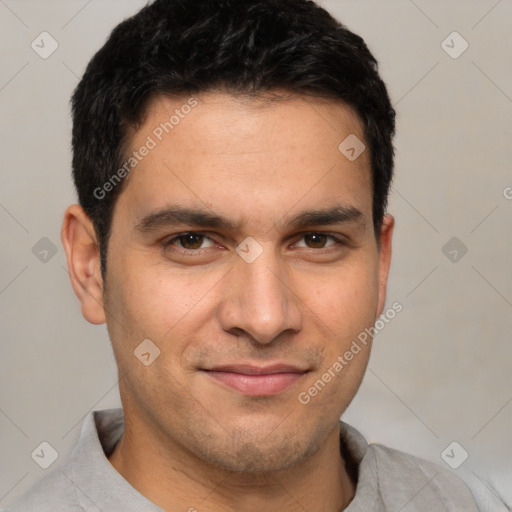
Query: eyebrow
point(176, 215)
point(328, 216)
point(179, 215)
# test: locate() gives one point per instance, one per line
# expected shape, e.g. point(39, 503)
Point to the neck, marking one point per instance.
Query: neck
point(175, 479)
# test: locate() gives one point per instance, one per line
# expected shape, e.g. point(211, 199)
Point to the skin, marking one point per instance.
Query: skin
point(190, 441)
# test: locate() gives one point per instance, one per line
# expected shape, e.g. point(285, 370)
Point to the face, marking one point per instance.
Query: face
point(243, 247)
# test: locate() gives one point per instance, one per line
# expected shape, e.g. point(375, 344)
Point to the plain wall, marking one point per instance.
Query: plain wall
point(441, 371)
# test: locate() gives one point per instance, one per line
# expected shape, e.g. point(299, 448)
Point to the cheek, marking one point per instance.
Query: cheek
point(347, 301)
point(348, 309)
point(161, 304)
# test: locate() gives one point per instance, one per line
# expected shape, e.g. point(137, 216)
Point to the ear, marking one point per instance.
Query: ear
point(79, 240)
point(386, 234)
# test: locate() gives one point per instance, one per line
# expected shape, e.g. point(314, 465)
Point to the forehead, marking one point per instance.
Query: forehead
point(246, 155)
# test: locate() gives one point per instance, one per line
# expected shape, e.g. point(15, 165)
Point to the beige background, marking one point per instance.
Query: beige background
point(441, 371)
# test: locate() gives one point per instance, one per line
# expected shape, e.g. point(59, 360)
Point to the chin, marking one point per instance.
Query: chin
point(257, 456)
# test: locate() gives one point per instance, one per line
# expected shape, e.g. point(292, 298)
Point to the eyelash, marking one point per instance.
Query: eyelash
point(169, 242)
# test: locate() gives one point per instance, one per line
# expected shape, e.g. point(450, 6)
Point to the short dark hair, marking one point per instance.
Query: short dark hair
point(184, 47)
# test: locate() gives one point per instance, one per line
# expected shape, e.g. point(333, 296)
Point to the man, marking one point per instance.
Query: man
point(232, 160)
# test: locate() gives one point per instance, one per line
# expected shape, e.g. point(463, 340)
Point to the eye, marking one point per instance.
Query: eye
point(190, 241)
point(318, 240)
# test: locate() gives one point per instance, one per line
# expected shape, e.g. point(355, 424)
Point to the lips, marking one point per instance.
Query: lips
point(256, 380)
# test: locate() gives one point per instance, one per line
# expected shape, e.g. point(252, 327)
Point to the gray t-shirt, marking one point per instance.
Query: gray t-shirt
point(387, 480)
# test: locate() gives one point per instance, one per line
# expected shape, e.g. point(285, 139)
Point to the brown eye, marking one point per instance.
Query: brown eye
point(191, 248)
point(191, 241)
point(316, 240)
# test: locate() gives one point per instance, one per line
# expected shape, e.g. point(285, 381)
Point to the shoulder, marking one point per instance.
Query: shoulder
point(406, 478)
point(52, 493)
point(392, 480)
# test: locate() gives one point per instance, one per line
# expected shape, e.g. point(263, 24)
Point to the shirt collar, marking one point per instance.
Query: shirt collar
point(98, 482)
point(89, 469)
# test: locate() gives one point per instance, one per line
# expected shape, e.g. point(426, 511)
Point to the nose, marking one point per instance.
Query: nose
point(259, 301)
